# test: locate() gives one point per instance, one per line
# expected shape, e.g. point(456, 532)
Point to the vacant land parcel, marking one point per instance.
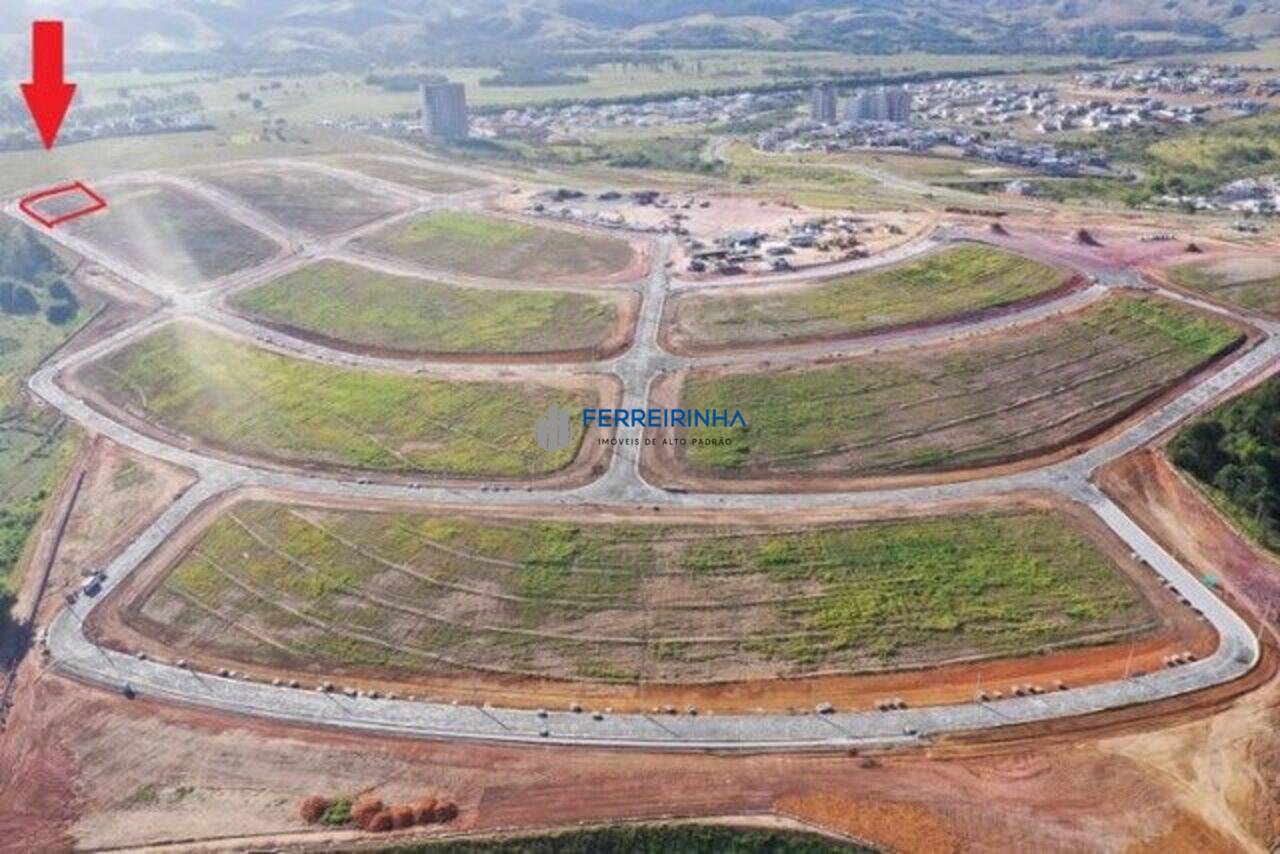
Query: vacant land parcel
point(423, 176)
point(249, 401)
point(188, 241)
point(1250, 282)
point(303, 198)
point(473, 244)
point(1003, 397)
point(949, 283)
point(325, 589)
point(366, 308)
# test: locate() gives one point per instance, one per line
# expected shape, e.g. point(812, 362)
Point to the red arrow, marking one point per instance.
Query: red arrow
point(48, 95)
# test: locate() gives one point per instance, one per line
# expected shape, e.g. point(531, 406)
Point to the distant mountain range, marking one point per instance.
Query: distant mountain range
point(240, 32)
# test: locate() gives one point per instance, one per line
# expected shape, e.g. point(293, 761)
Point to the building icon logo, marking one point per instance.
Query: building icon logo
point(551, 430)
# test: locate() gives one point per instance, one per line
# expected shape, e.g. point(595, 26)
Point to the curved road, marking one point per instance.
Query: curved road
point(621, 485)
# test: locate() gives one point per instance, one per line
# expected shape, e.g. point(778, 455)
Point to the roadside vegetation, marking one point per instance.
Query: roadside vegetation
point(1234, 452)
point(956, 405)
point(500, 248)
point(407, 593)
point(955, 281)
point(641, 839)
point(38, 311)
point(1176, 162)
point(206, 385)
point(367, 308)
point(1252, 284)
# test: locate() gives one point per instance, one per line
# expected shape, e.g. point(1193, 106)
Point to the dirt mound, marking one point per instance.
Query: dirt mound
point(1194, 248)
point(1085, 238)
point(998, 228)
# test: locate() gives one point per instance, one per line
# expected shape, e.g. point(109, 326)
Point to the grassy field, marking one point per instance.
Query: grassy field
point(813, 180)
point(161, 229)
point(1252, 284)
point(934, 169)
point(303, 199)
point(954, 406)
point(206, 385)
point(478, 245)
point(966, 278)
point(367, 308)
point(439, 593)
point(342, 95)
point(424, 177)
point(234, 140)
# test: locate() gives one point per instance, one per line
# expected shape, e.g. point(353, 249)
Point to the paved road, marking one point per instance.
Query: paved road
point(622, 485)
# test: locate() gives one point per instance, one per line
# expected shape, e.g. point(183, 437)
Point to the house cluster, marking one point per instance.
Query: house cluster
point(807, 135)
point(984, 103)
point(130, 116)
point(980, 103)
point(1173, 80)
point(1247, 195)
point(606, 208)
point(1099, 114)
point(572, 119)
point(822, 239)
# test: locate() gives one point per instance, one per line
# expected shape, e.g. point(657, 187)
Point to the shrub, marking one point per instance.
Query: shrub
point(313, 808)
point(365, 808)
point(59, 291)
point(60, 313)
point(402, 815)
point(339, 812)
point(380, 822)
point(17, 299)
point(446, 811)
point(424, 811)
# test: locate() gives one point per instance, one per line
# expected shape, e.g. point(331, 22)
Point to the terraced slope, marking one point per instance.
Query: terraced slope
point(474, 244)
point(410, 593)
point(220, 391)
point(302, 199)
point(365, 308)
point(946, 407)
point(157, 228)
point(953, 282)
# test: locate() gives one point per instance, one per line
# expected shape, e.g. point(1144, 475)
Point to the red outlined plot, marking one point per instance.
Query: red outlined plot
point(52, 202)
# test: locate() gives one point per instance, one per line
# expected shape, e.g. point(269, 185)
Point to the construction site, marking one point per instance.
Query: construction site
point(312, 575)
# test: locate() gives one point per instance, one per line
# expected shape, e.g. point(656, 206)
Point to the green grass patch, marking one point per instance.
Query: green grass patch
point(963, 279)
point(1253, 284)
point(36, 444)
point(622, 603)
point(497, 247)
point(219, 390)
point(372, 309)
point(997, 397)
